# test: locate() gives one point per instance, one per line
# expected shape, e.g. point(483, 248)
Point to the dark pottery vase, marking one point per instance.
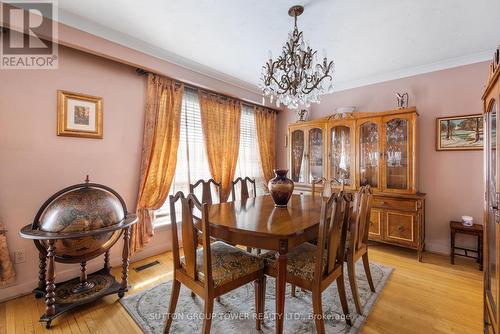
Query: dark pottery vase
point(281, 188)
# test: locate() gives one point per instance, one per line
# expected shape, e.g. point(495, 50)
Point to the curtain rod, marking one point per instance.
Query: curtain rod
point(143, 72)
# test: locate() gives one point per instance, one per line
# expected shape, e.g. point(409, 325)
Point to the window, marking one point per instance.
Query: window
point(192, 164)
point(248, 156)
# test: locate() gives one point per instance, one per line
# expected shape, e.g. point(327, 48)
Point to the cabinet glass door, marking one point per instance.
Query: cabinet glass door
point(297, 156)
point(369, 154)
point(340, 154)
point(492, 275)
point(315, 154)
point(396, 154)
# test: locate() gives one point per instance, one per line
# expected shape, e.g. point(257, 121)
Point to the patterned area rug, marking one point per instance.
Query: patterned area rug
point(235, 312)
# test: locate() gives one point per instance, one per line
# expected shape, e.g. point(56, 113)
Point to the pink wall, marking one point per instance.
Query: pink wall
point(453, 181)
point(35, 162)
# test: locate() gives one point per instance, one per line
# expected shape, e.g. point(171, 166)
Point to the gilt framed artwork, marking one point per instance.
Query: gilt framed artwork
point(459, 133)
point(79, 115)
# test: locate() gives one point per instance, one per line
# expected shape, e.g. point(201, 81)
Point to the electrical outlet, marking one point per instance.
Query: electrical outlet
point(19, 256)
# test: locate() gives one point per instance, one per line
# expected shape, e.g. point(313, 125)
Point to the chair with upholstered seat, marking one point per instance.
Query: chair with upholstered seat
point(206, 189)
point(321, 187)
point(244, 193)
point(245, 185)
point(213, 270)
point(357, 244)
point(314, 268)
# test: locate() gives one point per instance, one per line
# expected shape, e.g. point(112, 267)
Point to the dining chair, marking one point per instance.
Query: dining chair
point(321, 187)
point(314, 268)
point(243, 188)
point(357, 245)
point(244, 194)
point(212, 270)
point(206, 189)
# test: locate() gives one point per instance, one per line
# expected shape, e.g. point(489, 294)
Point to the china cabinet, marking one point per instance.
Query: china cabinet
point(375, 148)
point(491, 248)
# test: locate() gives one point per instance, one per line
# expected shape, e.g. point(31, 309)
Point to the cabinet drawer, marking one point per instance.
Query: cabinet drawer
point(375, 228)
point(395, 204)
point(400, 227)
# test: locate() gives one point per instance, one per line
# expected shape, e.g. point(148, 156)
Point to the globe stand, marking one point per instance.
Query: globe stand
point(64, 296)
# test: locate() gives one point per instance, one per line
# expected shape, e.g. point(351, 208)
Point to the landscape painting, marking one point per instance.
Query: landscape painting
point(459, 133)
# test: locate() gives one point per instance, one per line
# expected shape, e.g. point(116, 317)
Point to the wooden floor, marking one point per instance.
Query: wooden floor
point(430, 297)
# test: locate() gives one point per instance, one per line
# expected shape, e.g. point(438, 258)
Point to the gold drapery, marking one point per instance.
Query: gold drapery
point(7, 272)
point(220, 119)
point(265, 121)
point(159, 153)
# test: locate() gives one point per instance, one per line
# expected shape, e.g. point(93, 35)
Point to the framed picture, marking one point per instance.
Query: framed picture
point(459, 133)
point(79, 115)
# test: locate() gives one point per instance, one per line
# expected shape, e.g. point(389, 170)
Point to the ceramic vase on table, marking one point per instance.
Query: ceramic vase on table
point(281, 188)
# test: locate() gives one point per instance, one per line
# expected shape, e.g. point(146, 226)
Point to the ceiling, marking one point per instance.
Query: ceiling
point(370, 41)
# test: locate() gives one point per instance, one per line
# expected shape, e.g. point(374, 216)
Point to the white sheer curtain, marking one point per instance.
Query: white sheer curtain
point(192, 164)
point(248, 157)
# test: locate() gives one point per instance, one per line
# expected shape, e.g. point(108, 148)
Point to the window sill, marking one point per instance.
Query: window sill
point(162, 224)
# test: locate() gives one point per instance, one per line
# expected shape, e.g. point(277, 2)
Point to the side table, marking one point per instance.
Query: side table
point(476, 230)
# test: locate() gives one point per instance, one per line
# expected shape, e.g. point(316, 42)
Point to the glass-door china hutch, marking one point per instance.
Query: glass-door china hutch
point(491, 247)
point(374, 148)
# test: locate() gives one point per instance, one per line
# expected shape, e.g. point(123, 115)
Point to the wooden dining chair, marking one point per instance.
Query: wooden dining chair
point(213, 270)
point(357, 245)
point(243, 188)
point(321, 187)
point(206, 189)
point(244, 194)
point(314, 268)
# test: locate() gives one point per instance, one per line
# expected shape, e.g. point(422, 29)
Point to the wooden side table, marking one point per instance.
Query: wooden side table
point(477, 230)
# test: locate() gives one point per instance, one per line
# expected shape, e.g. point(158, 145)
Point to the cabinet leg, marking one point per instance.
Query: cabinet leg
point(50, 309)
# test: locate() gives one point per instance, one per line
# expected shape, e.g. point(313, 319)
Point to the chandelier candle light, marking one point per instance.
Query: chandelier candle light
point(296, 78)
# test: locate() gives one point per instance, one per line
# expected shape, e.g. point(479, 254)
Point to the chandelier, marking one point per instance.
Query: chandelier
point(296, 78)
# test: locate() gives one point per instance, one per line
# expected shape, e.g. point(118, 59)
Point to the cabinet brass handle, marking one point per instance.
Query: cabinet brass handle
point(371, 223)
point(400, 228)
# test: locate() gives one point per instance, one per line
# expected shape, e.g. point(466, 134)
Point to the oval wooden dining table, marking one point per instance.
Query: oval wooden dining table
point(257, 223)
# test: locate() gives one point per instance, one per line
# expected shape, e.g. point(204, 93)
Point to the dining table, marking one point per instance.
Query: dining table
point(258, 223)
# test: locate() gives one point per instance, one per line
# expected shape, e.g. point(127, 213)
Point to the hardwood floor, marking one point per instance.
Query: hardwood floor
point(430, 297)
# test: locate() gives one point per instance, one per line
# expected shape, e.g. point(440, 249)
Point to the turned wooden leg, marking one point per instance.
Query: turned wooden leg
point(50, 309)
point(83, 272)
point(41, 274)
point(125, 262)
point(280, 288)
point(107, 266)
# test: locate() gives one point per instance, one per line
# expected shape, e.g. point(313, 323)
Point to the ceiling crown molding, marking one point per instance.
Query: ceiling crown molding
point(416, 70)
point(115, 36)
point(131, 42)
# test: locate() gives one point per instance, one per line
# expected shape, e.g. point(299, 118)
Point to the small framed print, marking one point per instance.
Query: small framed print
point(459, 133)
point(79, 115)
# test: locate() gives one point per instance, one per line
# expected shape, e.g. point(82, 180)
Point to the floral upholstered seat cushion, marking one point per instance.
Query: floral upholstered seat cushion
point(228, 263)
point(301, 261)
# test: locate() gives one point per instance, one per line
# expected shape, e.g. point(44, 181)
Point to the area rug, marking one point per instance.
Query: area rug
point(235, 311)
